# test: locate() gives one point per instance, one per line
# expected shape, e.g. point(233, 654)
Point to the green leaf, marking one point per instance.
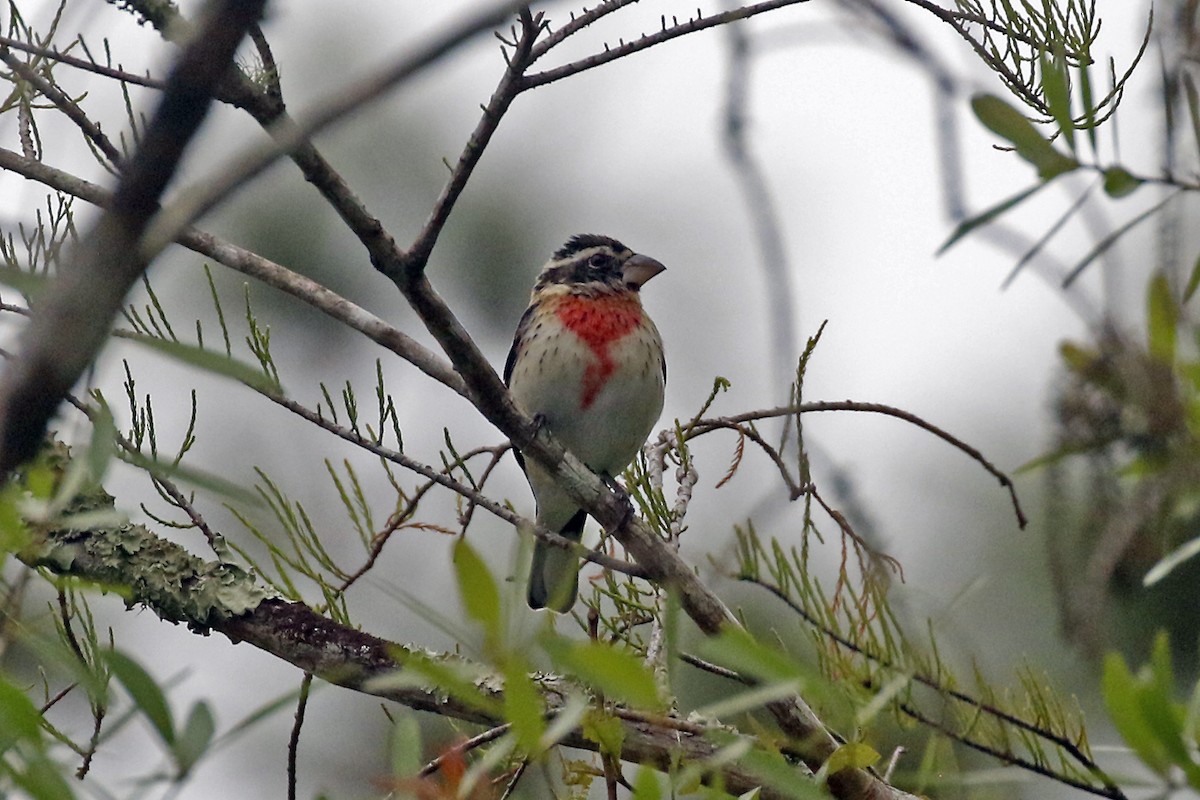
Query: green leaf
point(851, 755)
point(1193, 281)
point(646, 785)
point(406, 746)
point(477, 589)
point(14, 533)
point(1005, 121)
point(1162, 319)
point(1056, 89)
point(1122, 698)
point(42, 779)
point(605, 730)
point(102, 445)
point(619, 675)
point(736, 649)
point(1119, 182)
point(27, 283)
point(210, 361)
point(144, 692)
point(968, 225)
point(523, 705)
point(195, 738)
point(455, 678)
point(196, 477)
point(19, 719)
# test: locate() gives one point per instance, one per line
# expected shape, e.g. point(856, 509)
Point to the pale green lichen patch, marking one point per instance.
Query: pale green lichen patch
point(155, 573)
point(142, 567)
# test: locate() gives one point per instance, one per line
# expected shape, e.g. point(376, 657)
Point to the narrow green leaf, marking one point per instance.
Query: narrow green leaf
point(195, 477)
point(1119, 182)
point(1089, 109)
point(477, 588)
point(1007, 122)
point(737, 649)
point(523, 705)
point(750, 699)
point(1044, 239)
point(144, 692)
point(103, 443)
point(619, 675)
point(1162, 319)
point(1056, 90)
point(195, 738)
point(1108, 241)
point(406, 745)
point(968, 225)
point(210, 361)
point(1193, 281)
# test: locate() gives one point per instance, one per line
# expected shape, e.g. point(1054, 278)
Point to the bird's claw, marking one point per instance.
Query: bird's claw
point(627, 512)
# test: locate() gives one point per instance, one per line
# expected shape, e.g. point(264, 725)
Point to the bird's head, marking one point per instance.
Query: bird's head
point(598, 262)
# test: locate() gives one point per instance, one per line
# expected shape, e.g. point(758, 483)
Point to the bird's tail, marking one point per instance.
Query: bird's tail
point(554, 576)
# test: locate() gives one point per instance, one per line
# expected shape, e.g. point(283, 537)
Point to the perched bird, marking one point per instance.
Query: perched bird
point(587, 362)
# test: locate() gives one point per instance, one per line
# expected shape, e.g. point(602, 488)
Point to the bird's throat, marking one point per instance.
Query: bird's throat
point(599, 322)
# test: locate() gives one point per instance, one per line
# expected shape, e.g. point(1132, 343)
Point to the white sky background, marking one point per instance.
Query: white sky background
point(843, 126)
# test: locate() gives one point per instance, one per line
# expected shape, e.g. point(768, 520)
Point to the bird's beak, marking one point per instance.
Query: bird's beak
point(638, 269)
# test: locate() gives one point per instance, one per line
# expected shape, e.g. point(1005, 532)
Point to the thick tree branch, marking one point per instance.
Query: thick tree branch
point(208, 596)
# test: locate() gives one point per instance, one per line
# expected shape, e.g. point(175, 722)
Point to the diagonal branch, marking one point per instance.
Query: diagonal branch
point(71, 323)
point(269, 272)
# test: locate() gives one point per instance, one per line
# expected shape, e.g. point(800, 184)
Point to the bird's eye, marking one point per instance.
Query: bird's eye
point(599, 260)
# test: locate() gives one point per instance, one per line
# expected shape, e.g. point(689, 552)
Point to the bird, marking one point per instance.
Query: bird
point(586, 362)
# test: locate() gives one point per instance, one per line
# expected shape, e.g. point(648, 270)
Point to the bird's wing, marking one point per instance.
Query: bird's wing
point(511, 361)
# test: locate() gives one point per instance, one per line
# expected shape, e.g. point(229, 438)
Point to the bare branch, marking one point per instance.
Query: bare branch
point(265, 270)
point(65, 104)
point(699, 23)
point(82, 63)
point(288, 135)
point(876, 408)
point(71, 324)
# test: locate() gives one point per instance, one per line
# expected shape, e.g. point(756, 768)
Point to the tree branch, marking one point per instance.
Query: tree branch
point(269, 272)
point(181, 588)
point(71, 323)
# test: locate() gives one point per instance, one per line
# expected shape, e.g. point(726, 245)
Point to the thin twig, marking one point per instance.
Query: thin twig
point(83, 64)
point(668, 33)
point(877, 408)
point(269, 272)
point(438, 477)
point(479, 740)
point(65, 104)
point(294, 737)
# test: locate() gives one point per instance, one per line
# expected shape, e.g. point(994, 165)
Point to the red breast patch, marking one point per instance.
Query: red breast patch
point(598, 322)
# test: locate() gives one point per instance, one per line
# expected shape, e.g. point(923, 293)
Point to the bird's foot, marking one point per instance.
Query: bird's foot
point(627, 512)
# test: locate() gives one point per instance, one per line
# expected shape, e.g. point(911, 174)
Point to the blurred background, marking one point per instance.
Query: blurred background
point(870, 156)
